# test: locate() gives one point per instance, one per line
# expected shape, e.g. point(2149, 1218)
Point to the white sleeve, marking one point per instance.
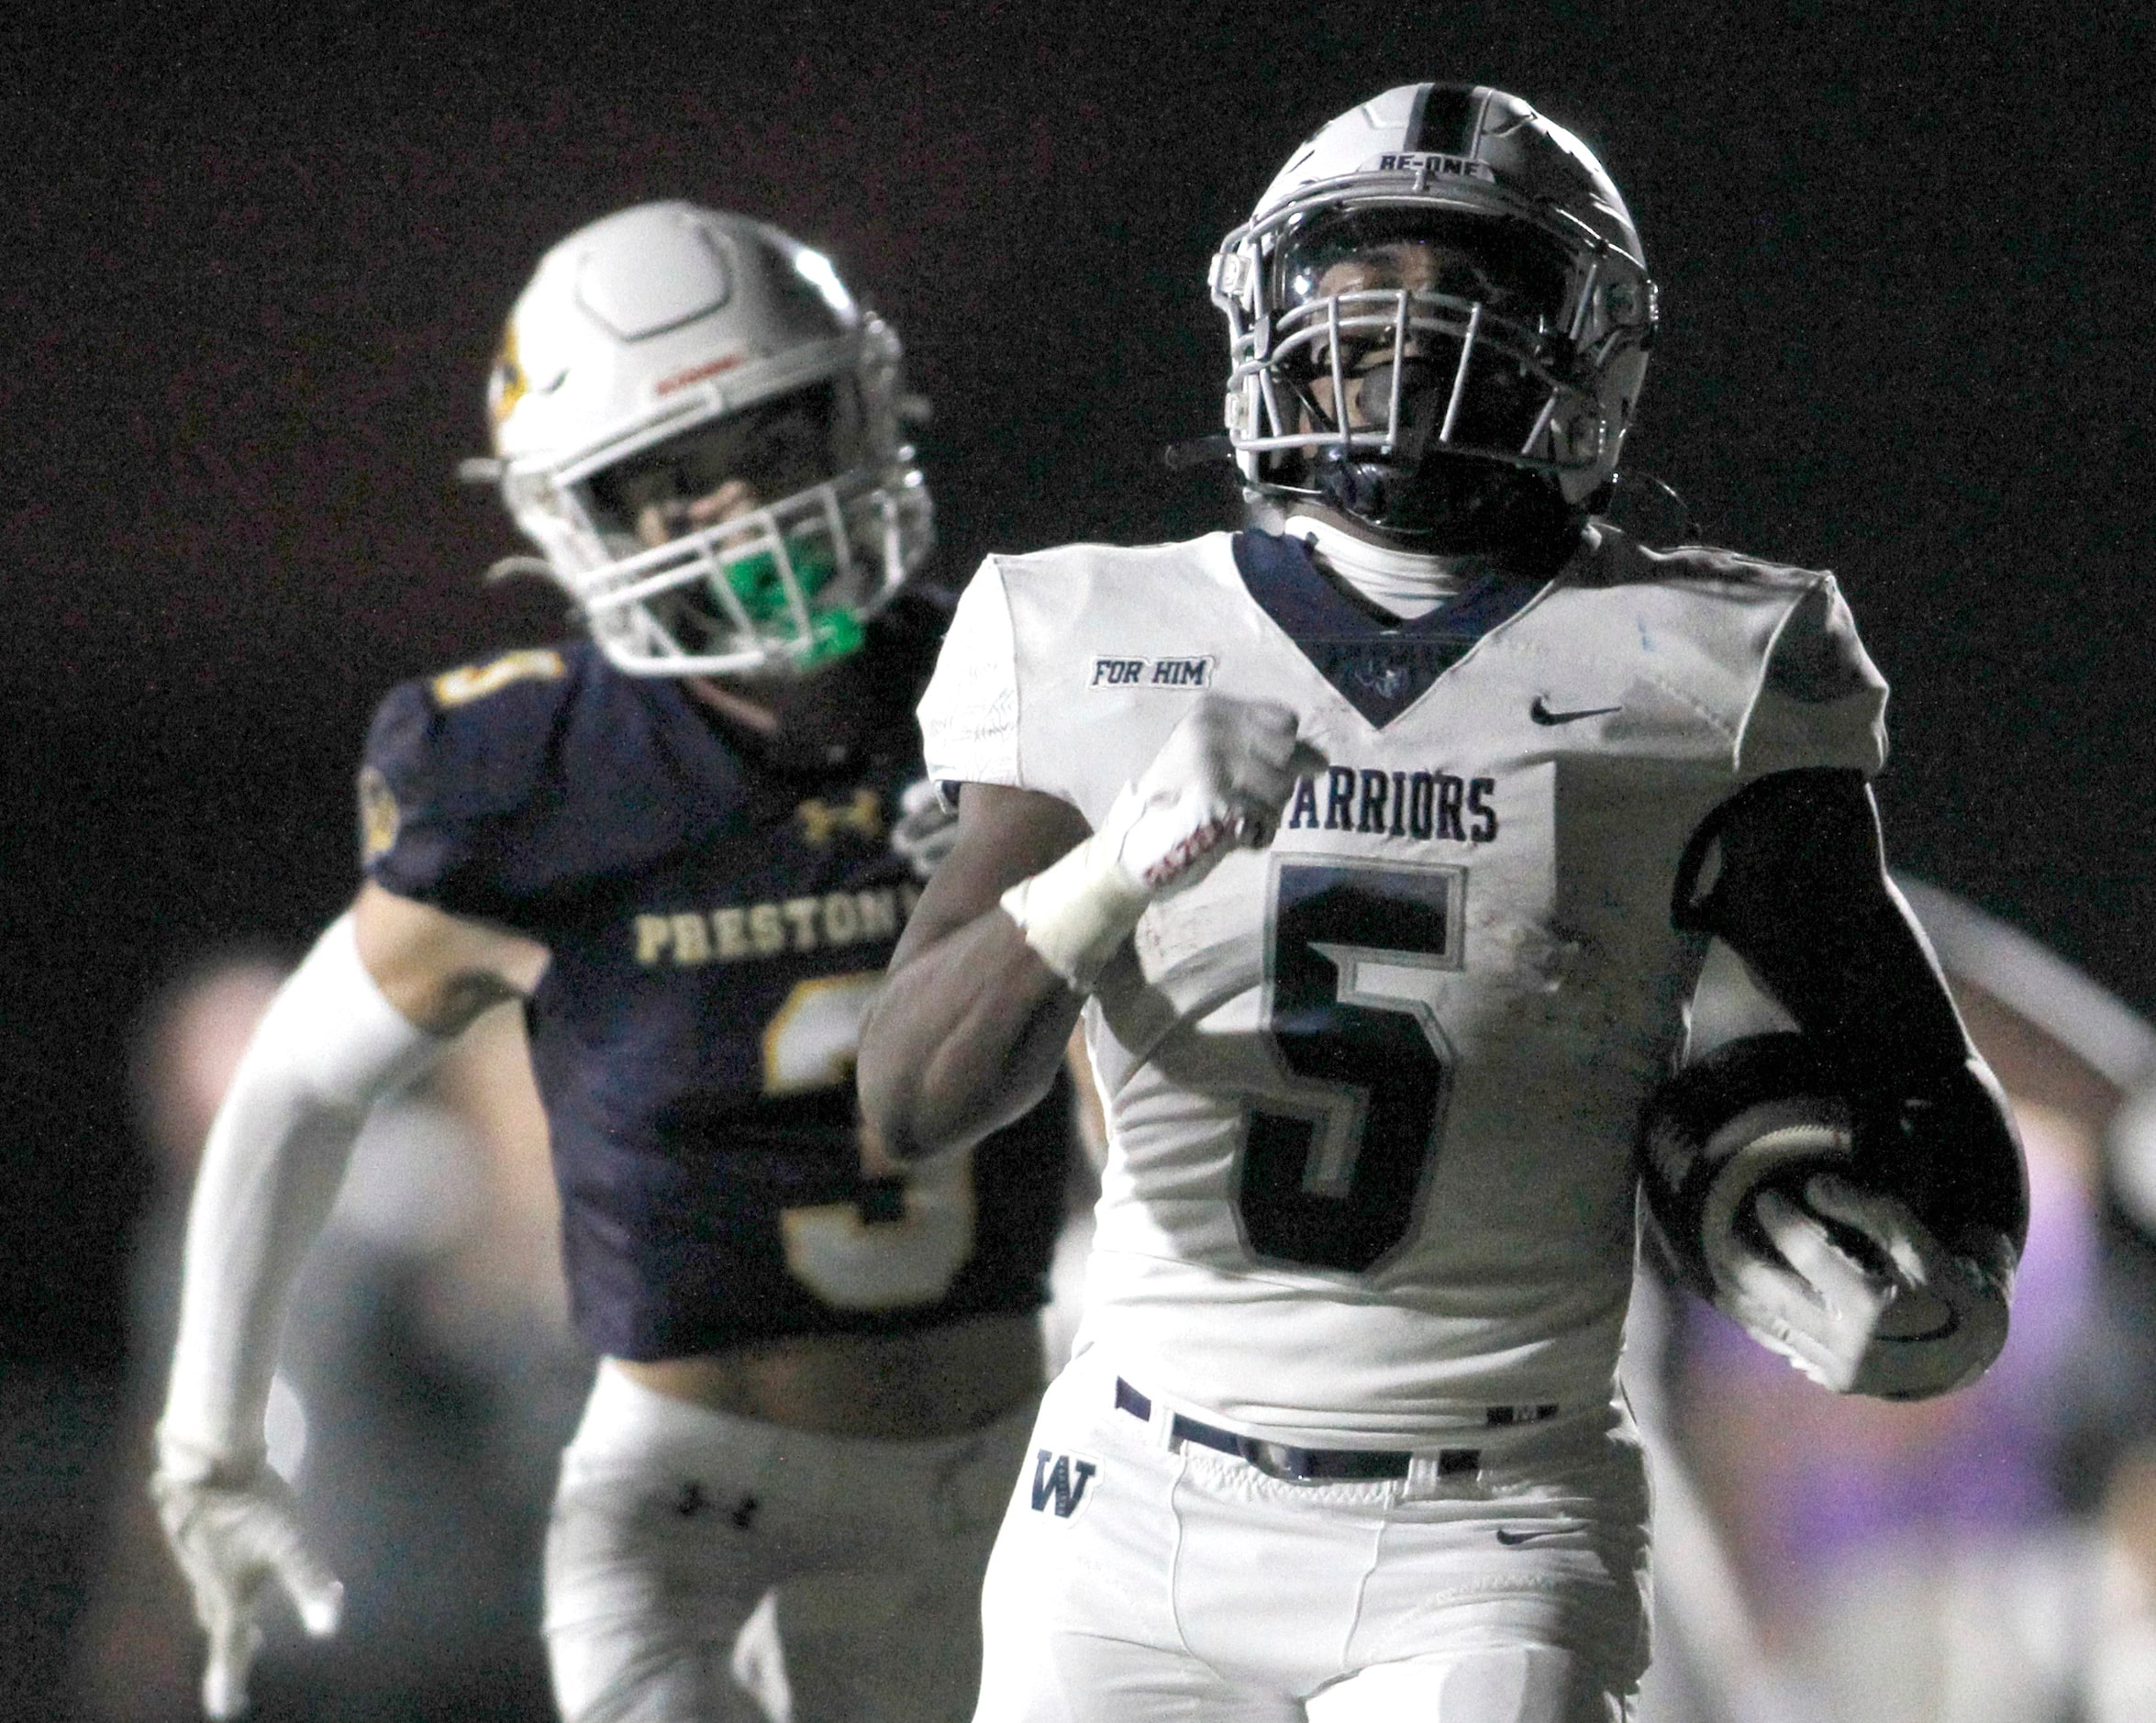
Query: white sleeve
point(970, 714)
point(1821, 700)
point(328, 1048)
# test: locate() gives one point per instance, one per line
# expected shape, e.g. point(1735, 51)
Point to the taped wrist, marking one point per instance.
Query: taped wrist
point(184, 1464)
point(1076, 912)
point(328, 1048)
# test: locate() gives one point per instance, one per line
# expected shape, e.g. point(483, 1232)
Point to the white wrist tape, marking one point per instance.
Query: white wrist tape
point(328, 1048)
point(1218, 785)
point(1076, 912)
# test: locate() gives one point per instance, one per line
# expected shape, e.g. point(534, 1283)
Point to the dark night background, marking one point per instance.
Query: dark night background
point(254, 273)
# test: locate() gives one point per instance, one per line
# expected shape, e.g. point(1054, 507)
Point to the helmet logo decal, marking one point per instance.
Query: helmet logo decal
point(1430, 165)
point(697, 373)
point(508, 385)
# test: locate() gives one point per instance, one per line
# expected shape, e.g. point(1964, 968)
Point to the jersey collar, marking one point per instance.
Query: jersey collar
point(1379, 668)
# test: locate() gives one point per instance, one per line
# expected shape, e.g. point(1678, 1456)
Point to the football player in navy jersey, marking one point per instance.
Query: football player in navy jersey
point(1380, 853)
point(686, 846)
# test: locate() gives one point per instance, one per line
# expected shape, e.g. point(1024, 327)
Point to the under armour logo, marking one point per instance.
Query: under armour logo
point(692, 1501)
point(819, 820)
point(1062, 1478)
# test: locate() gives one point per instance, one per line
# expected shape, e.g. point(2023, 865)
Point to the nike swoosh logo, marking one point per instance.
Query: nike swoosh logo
point(1513, 1539)
point(1541, 713)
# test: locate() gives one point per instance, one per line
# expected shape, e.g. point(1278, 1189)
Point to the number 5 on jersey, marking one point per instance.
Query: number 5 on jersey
point(1354, 961)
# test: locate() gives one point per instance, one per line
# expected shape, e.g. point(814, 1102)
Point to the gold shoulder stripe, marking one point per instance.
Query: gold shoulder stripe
point(380, 816)
point(476, 682)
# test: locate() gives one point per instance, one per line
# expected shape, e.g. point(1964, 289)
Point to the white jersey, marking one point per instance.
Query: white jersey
point(1372, 1092)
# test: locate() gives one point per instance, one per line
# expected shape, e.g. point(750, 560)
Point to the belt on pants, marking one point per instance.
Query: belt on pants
point(1323, 1465)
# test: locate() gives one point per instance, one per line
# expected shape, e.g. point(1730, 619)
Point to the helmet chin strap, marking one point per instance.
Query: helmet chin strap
point(1378, 490)
point(1448, 504)
point(823, 721)
point(1419, 493)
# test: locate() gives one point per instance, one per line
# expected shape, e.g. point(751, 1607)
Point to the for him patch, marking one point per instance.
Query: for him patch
point(1153, 672)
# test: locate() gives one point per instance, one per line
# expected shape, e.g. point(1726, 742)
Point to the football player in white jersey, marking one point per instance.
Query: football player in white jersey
point(684, 845)
point(1380, 854)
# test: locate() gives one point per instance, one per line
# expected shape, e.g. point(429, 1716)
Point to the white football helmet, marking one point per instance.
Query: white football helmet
point(666, 351)
point(1523, 345)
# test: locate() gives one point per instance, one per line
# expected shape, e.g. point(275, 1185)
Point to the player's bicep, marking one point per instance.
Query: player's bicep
point(1005, 835)
point(438, 970)
point(1791, 874)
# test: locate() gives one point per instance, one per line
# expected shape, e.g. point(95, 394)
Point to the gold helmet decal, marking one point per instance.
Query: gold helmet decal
point(507, 384)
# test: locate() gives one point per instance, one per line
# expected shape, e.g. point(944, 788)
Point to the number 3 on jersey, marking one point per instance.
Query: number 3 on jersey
point(1354, 968)
point(849, 1257)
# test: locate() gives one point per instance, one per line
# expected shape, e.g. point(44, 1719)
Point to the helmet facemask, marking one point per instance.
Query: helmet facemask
point(747, 538)
point(1417, 356)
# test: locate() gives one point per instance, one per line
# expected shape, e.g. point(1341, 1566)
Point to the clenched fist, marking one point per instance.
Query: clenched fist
point(1219, 781)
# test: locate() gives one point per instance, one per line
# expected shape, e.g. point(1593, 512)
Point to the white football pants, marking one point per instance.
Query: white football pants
point(1137, 1580)
point(672, 1523)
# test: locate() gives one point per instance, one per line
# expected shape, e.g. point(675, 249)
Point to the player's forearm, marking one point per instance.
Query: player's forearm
point(268, 1176)
point(972, 1023)
point(969, 1034)
point(1799, 890)
point(330, 1046)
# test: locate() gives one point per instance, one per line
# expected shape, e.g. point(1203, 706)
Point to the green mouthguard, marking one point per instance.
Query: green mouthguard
point(834, 633)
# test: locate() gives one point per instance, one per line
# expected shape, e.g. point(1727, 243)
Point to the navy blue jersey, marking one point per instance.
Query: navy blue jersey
point(717, 930)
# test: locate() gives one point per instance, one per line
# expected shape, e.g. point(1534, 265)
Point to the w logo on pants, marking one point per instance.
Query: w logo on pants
point(1060, 1479)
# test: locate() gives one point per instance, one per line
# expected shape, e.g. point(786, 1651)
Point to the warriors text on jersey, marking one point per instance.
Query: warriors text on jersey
point(1372, 1090)
point(716, 932)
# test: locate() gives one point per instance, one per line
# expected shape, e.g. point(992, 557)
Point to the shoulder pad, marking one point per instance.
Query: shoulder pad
point(1615, 558)
point(448, 755)
point(1090, 561)
point(469, 741)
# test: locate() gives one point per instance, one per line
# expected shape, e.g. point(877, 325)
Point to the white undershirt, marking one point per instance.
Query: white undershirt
point(1401, 581)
